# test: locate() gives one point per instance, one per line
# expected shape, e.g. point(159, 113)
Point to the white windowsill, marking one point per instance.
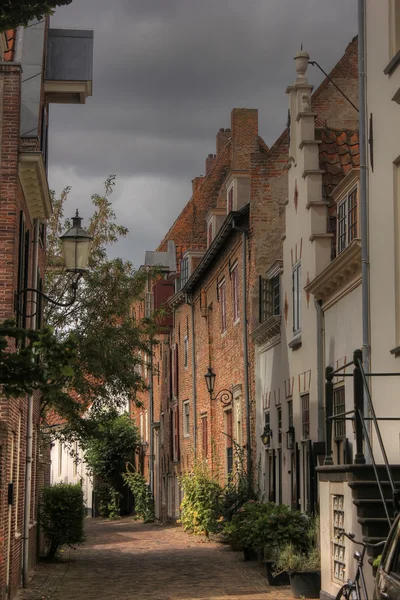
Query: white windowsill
point(236, 322)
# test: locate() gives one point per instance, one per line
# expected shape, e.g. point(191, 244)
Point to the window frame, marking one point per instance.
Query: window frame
point(209, 233)
point(347, 219)
point(186, 351)
point(204, 435)
point(339, 424)
point(297, 293)
point(229, 200)
point(184, 271)
point(222, 304)
point(228, 426)
point(186, 418)
point(305, 410)
point(235, 292)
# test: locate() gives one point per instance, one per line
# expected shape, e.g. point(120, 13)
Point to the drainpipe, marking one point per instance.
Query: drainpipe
point(245, 345)
point(320, 370)
point(366, 348)
point(194, 389)
point(29, 425)
point(151, 419)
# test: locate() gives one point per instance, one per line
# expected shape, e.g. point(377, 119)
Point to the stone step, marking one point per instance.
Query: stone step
point(374, 526)
point(369, 489)
point(373, 507)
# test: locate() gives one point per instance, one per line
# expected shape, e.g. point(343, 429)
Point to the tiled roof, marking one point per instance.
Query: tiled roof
point(339, 153)
point(10, 38)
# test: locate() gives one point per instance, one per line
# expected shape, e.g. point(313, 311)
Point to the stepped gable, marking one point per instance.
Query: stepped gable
point(339, 153)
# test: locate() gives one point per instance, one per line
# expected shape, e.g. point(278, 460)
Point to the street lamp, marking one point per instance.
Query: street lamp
point(266, 436)
point(224, 396)
point(76, 246)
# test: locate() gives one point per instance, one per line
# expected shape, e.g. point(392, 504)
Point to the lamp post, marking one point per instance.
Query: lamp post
point(266, 436)
point(224, 396)
point(76, 246)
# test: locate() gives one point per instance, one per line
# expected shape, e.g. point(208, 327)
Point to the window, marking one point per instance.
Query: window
point(162, 429)
point(209, 233)
point(175, 433)
point(238, 420)
point(185, 351)
point(296, 280)
point(279, 410)
point(347, 221)
point(270, 301)
point(204, 424)
point(305, 416)
point(230, 200)
point(235, 292)
point(186, 419)
point(222, 303)
point(149, 304)
point(229, 441)
point(60, 453)
point(339, 406)
point(141, 427)
point(175, 371)
point(75, 460)
point(146, 426)
point(184, 271)
point(23, 270)
point(290, 412)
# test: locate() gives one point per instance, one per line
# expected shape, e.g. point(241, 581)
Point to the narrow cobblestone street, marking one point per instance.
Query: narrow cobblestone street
point(124, 559)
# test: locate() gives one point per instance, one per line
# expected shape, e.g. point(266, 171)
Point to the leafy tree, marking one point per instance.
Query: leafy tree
point(110, 342)
point(19, 12)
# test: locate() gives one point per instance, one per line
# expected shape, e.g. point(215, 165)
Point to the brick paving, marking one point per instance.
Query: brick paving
point(126, 559)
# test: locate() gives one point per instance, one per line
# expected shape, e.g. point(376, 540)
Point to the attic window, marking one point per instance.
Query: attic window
point(347, 220)
point(230, 200)
point(209, 233)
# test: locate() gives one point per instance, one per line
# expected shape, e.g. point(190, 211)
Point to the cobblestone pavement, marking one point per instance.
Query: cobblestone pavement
point(125, 559)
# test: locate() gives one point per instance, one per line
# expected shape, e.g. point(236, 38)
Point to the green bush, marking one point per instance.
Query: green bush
point(245, 527)
point(144, 503)
point(62, 513)
point(200, 505)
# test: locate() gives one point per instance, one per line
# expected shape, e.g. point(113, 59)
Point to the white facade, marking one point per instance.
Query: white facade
point(65, 469)
point(383, 111)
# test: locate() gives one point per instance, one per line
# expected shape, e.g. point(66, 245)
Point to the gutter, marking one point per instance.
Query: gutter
point(365, 285)
point(245, 347)
point(151, 417)
point(320, 370)
point(29, 427)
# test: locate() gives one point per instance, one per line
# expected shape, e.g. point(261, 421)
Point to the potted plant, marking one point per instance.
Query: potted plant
point(246, 526)
point(271, 556)
point(304, 569)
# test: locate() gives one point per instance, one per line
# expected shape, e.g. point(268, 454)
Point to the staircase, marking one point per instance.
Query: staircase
point(371, 513)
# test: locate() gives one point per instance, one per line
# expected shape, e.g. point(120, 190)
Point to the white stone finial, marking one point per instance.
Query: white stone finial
point(301, 60)
point(305, 101)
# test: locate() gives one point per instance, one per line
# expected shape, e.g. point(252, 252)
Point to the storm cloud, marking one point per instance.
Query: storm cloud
point(166, 75)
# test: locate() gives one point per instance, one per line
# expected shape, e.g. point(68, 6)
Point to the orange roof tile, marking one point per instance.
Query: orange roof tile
point(339, 153)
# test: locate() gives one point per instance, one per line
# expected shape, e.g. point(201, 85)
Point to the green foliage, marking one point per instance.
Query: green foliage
point(114, 510)
point(200, 505)
point(377, 561)
point(36, 360)
point(110, 342)
point(283, 526)
point(112, 444)
point(302, 557)
point(19, 12)
point(144, 503)
point(245, 526)
point(238, 489)
point(62, 514)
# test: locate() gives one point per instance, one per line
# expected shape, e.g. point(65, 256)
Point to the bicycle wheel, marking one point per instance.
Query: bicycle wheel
point(347, 592)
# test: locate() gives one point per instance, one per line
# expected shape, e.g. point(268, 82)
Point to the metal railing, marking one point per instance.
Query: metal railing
point(362, 433)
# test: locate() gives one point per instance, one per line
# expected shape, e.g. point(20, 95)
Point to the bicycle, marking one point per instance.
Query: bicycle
point(352, 589)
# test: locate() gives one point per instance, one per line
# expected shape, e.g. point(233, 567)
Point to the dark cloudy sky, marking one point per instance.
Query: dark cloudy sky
point(166, 75)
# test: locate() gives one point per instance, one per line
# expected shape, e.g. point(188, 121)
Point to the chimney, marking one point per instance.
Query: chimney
point(196, 183)
point(245, 136)
point(209, 162)
point(223, 136)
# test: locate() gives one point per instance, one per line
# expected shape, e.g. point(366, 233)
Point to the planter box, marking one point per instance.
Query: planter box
point(305, 584)
point(281, 579)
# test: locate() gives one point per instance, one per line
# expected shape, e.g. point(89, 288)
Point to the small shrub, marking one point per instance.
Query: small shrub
point(114, 510)
point(144, 503)
point(200, 505)
point(62, 513)
point(291, 559)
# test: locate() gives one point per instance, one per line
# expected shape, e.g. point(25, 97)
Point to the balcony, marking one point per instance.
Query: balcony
point(69, 66)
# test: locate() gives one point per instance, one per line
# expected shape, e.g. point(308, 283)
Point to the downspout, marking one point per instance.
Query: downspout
point(29, 425)
point(245, 346)
point(366, 348)
point(320, 370)
point(194, 389)
point(151, 411)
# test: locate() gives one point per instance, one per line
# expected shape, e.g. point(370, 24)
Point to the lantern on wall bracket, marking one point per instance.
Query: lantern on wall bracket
point(290, 438)
point(76, 247)
point(224, 396)
point(266, 436)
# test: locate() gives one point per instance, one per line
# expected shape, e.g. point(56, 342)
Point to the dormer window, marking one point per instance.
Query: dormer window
point(237, 190)
point(184, 271)
point(188, 264)
point(214, 220)
point(347, 220)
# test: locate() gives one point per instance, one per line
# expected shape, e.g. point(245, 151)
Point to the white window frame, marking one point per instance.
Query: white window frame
point(186, 419)
point(141, 422)
point(60, 458)
point(297, 292)
point(146, 426)
point(230, 191)
point(343, 221)
point(222, 304)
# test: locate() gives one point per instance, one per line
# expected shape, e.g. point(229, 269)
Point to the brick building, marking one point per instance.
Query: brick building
point(35, 70)
point(224, 239)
